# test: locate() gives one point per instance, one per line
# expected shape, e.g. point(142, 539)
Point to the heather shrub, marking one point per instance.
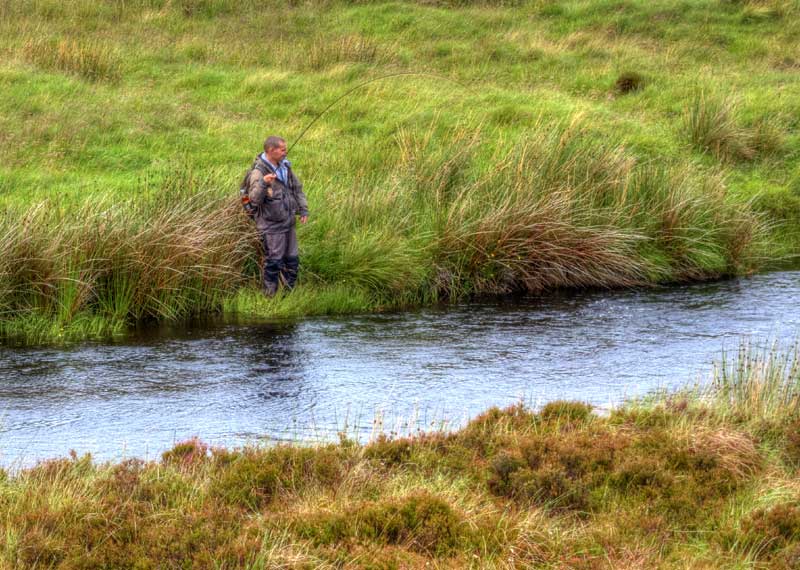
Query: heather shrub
point(501, 468)
point(60, 470)
point(792, 441)
point(389, 452)
point(486, 432)
point(581, 469)
point(249, 480)
point(772, 529)
point(421, 522)
point(567, 412)
point(186, 453)
point(252, 478)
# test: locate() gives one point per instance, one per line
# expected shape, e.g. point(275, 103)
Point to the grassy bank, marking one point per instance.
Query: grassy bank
point(540, 145)
point(695, 480)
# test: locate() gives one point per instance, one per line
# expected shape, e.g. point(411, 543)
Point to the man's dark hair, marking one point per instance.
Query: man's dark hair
point(273, 142)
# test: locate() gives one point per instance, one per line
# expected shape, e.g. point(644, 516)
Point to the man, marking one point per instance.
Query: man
point(278, 197)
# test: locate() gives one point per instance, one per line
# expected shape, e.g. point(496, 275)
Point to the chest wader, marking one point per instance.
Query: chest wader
point(281, 253)
point(281, 260)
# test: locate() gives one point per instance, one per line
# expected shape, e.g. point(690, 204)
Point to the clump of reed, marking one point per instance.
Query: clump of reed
point(87, 59)
point(759, 382)
point(123, 260)
point(559, 209)
point(712, 125)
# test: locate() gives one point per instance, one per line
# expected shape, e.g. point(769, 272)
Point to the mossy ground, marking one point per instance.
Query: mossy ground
point(692, 480)
point(539, 145)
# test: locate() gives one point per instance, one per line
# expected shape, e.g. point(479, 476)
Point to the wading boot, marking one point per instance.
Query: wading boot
point(270, 288)
point(272, 272)
point(289, 271)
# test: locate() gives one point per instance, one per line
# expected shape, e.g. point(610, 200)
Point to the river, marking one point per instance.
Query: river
point(232, 384)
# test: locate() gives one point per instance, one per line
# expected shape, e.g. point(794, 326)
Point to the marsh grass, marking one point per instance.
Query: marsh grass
point(679, 482)
point(555, 210)
point(120, 261)
point(760, 381)
point(714, 125)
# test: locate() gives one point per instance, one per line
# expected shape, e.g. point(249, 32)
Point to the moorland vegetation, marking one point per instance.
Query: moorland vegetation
point(699, 479)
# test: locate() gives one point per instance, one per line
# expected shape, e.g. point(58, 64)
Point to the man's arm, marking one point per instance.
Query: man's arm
point(258, 187)
point(302, 202)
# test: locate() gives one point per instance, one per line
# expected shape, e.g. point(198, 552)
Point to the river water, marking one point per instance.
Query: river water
point(232, 384)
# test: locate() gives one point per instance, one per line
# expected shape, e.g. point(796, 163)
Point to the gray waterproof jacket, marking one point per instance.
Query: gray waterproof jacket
point(278, 204)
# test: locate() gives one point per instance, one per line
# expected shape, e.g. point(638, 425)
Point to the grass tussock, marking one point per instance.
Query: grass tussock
point(713, 126)
point(326, 52)
point(120, 261)
point(561, 487)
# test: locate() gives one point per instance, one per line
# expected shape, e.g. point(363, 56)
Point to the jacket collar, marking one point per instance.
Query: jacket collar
point(265, 160)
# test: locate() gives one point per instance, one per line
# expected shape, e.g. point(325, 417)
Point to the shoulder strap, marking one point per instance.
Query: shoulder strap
point(261, 166)
point(289, 178)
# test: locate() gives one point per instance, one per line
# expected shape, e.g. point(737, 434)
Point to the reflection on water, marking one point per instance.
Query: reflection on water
point(231, 384)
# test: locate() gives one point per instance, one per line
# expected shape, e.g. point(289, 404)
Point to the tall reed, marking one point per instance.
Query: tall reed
point(124, 260)
point(760, 381)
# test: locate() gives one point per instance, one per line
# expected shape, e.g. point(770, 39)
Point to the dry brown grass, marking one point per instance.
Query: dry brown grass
point(87, 59)
point(123, 259)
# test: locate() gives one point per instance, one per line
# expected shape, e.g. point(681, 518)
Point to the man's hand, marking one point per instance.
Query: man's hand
point(303, 219)
point(268, 178)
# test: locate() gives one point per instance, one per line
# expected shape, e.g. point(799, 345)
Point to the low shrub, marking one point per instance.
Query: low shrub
point(252, 478)
point(60, 470)
point(772, 529)
point(389, 452)
point(629, 82)
point(186, 453)
point(421, 522)
point(563, 411)
point(486, 432)
point(501, 469)
point(791, 433)
point(584, 469)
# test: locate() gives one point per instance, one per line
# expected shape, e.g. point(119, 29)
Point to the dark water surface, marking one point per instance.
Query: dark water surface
point(233, 384)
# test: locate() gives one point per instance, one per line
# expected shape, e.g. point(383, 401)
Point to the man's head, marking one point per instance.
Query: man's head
point(275, 149)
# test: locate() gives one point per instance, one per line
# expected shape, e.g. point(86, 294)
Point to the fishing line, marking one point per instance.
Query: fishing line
point(360, 85)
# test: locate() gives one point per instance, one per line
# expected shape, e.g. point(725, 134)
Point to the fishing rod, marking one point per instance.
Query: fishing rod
point(360, 85)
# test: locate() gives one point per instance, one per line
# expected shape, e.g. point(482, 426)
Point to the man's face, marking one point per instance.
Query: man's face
point(277, 153)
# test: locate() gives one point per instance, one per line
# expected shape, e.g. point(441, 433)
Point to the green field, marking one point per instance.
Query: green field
point(517, 146)
point(698, 480)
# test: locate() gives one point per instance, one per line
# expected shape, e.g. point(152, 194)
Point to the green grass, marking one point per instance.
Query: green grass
point(683, 480)
point(540, 145)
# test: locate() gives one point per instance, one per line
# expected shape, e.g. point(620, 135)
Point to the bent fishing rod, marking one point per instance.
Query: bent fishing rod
point(363, 84)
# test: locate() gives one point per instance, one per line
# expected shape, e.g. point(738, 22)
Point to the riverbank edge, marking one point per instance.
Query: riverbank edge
point(249, 304)
point(699, 478)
